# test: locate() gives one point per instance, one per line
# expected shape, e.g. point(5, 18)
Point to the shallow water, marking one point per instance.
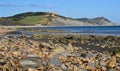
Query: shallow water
point(89, 30)
point(99, 30)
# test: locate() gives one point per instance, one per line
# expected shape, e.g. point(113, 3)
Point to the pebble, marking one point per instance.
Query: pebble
point(28, 54)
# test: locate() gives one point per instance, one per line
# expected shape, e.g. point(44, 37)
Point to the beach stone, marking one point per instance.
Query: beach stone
point(55, 61)
point(57, 50)
point(2, 62)
point(117, 53)
point(32, 55)
point(47, 45)
point(89, 55)
point(112, 63)
point(64, 67)
point(32, 69)
point(103, 46)
point(103, 63)
point(65, 54)
point(30, 62)
point(70, 47)
point(12, 49)
point(104, 68)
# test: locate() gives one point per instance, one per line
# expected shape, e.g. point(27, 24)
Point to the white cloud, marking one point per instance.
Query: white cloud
point(31, 5)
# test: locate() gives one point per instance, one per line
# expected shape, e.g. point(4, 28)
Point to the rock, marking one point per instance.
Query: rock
point(16, 53)
point(104, 68)
point(47, 45)
point(30, 62)
point(117, 53)
point(75, 68)
point(89, 55)
point(103, 46)
point(32, 55)
point(70, 47)
point(2, 62)
point(64, 67)
point(31, 69)
point(57, 50)
point(65, 54)
point(112, 63)
point(103, 63)
point(55, 61)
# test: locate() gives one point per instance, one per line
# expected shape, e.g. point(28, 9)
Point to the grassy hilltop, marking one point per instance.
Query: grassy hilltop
point(52, 19)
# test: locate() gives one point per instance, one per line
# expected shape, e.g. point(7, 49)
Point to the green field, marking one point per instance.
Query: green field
point(32, 20)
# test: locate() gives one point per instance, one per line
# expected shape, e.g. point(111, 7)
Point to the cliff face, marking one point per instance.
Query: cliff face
point(99, 21)
point(53, 19)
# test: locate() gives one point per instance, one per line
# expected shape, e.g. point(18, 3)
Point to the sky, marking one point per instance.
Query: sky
point(69, 8)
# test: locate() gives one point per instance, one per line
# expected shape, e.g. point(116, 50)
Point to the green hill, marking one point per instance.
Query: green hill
point(32, 18)
point(51, 19)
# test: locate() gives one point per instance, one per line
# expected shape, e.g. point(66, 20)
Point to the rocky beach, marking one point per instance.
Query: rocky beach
point(58, 52)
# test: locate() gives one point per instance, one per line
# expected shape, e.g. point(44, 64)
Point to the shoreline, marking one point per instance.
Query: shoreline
point(62, 52)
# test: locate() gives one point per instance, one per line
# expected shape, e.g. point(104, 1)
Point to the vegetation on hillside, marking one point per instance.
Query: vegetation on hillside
point(47, 19)
point(32, 18)
point(94, 20)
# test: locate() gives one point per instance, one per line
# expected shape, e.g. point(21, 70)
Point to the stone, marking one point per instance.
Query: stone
point(16, 53)
point(32, 55)
point(70, 47)
point(2, 62)
point(64, 67)
point(103, 63)
point(32, 69)
point(47, 45)
point(112, 63)
point(55, 61)
point(103, 46)
point(65, 54)
point(57, 50)
point(117, 53)
point(89, 55)
point(30, 62)
point(104, 68)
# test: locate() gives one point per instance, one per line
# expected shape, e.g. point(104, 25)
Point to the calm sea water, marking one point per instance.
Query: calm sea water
point(108, 30)
point(93, 30)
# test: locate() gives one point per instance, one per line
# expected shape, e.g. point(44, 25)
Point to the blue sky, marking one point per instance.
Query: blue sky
point(70, 8)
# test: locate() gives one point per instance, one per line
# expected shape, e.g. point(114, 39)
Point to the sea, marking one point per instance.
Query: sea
point(94, 30)
point(89, 30)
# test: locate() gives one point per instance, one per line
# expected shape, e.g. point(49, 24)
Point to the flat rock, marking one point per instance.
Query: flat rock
point(67, 54)
point(30, 62)
point(55, 60)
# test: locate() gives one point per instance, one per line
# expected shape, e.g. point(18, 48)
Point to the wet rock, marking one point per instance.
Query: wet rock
point(30, 62)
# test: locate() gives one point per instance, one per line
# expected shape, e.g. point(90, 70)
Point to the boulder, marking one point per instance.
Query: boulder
point(30, 62)
point(55, 61)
